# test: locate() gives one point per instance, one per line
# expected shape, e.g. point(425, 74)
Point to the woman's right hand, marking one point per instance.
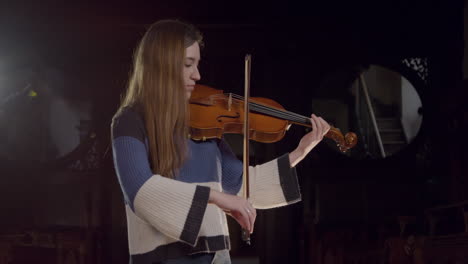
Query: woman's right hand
point(238, 207)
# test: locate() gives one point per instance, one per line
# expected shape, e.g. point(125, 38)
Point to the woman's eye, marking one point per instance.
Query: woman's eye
point(188, 65)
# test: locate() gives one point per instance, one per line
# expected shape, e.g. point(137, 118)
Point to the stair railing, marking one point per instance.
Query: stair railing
point(366, 116)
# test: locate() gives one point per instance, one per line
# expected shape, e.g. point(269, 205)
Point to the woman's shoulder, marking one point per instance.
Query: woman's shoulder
point(126, 114)
point(127, 121)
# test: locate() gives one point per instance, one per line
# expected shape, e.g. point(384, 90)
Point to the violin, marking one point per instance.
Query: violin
point(213, 113)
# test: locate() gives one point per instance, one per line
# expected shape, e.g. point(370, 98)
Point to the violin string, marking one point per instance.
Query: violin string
point(268, 111)
point(275, 112)
point(278, 113)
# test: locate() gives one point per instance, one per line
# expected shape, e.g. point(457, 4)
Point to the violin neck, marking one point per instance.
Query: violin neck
point(281, 114)
point(275, 112)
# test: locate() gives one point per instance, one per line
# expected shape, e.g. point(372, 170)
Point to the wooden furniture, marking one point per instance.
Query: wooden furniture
point(60, 245)
point(448, 239)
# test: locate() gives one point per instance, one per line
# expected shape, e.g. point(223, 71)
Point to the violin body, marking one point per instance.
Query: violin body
point(212, 114)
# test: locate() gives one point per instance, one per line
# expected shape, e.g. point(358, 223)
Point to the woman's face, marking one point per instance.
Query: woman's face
point(191, 73)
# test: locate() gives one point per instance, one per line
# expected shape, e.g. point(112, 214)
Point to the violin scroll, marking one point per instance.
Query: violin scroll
point(345, 142)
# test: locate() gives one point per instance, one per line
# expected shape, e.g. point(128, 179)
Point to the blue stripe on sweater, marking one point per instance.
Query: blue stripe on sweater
point(201, 164)
point(131, 165)
point(232, 169)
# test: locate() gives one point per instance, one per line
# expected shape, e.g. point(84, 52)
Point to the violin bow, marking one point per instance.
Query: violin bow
point(245, 176)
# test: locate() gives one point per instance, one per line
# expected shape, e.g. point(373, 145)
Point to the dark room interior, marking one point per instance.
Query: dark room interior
point(392, 72)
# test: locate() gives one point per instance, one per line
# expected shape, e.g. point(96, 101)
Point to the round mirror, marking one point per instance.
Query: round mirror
point(378, 104)
point(39, 121)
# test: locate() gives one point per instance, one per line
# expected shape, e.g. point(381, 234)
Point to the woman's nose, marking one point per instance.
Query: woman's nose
point(196, 75)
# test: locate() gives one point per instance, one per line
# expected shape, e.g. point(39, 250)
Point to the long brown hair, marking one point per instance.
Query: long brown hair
point(156, 90)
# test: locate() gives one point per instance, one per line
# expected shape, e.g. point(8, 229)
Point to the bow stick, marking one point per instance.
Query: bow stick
point(245, 177)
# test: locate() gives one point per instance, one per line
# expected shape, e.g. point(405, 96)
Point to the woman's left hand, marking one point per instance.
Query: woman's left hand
point(319, 128)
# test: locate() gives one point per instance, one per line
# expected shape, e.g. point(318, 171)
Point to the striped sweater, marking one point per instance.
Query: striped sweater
point(169, 218)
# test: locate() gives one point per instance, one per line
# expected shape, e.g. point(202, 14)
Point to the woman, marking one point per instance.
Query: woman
point(177, 190)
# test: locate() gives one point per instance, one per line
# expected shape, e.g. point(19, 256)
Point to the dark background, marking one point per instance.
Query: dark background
point(295, 46)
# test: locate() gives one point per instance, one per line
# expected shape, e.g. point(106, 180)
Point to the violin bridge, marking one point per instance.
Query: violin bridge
point(229, 102)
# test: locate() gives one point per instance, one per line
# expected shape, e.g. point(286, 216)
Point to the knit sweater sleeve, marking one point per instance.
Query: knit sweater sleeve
point(173, 207)
point(272, 184)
